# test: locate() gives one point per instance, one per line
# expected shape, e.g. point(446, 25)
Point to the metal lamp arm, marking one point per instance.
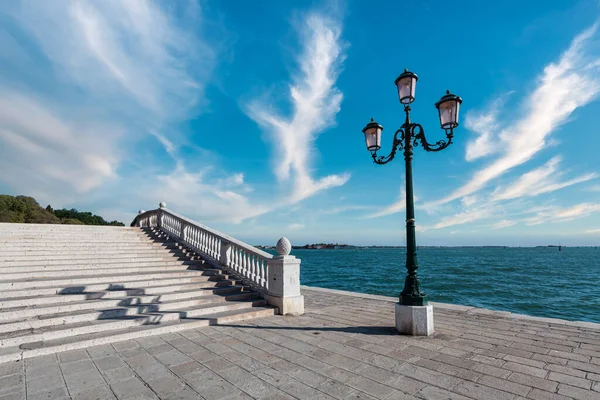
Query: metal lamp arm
point(418, 133)
point(398, 144)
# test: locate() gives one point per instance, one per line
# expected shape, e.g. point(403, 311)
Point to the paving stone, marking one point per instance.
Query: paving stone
point(218, 364)
point(173, 357)
point(488, 360)
point(96, 393)
point(84, 380)
point(549, 359)
point(125, 345)
point(570, 380)
point(434, 393)
point(584, 366)
point(566, 370)
point(527, 361)
point(577, 393)
point(184, 394)
point(427, 376)
point(462, 373)
point(11, 383)
point(335, 389)
point(132, 388)
point(505, 385)
point(73, 355)
point(210, 385)
point(111, 362)
point(102, 351)
point(45, 383)
point(166, 384)
point(11, 368)
point(479, 391)
point(13, 396)
point(77, 367)
point(118, 374)
point(529, 380)
point(593, 377)
point(537, 394)
point(491, 370)
point(569, 356)
point(187, 368)
point(525, 369)
point(50, 394)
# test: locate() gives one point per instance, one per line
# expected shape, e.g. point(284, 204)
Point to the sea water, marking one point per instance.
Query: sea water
point(539, 281)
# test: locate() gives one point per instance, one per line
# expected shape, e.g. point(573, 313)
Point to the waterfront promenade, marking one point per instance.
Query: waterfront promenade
point(344, 347)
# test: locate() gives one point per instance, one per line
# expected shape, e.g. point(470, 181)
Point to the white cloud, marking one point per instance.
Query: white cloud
point(486, 125)
point(503, 224)
point(295, 226)
point(557, 214)
point(113, 72)
point(315, 100)
point(39, 150)
point(543, 179)
point(571, 82)
point(593, 231)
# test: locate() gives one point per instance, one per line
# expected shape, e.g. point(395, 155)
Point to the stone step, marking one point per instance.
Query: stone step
point(73, 240)
point(82, 341)
point(120, 318)
point(115, 279)
point(80, 272)
point(12, 227)
point(49, 250)
point(135, 302)
point(185, 293)
point(84, 255)
point(83, 244)
point(131, 288)
point(168, 261)
point(93, 261)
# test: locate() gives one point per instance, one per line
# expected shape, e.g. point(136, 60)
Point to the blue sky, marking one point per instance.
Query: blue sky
point(247, 116)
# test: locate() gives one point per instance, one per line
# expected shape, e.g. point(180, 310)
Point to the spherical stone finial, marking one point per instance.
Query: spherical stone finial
point(141, 212)
point(284, 247)
point(162, 204)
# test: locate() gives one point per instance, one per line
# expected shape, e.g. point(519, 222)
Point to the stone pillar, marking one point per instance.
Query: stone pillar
point(139, 221)
point(159, 214)
point(414, 320)
point(284, 281)
point(224, 258)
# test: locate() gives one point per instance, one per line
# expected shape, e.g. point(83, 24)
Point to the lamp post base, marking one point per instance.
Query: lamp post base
point(414, 320)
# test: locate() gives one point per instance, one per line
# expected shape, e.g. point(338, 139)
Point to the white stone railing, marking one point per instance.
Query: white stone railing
point(276, 278)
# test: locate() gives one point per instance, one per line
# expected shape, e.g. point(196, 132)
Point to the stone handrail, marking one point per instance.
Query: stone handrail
point(276, 278)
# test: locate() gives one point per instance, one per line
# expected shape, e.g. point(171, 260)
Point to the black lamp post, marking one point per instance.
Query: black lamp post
point(408, 136)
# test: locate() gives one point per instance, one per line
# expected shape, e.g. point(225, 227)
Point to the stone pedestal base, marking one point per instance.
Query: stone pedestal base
point(293, 305)
point(414, 320)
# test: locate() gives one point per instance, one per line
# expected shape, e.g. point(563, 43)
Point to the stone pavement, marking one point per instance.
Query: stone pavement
point(344, 347)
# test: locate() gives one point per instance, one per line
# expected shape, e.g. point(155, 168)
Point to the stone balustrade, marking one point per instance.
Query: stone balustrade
point(276, 278)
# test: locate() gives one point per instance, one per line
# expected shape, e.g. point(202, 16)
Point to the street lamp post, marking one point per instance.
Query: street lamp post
point(413, 313)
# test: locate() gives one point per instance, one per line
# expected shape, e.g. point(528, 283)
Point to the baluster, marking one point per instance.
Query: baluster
point(234, 258)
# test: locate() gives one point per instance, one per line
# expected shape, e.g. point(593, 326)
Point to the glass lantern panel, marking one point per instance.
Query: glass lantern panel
point(447, 112)
point(406, 89)
point(373, 138)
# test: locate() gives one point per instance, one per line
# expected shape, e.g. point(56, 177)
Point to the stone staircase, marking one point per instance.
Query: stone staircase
point(65, 287)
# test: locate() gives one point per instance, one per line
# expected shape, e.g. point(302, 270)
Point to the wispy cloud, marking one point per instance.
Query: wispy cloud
point(541, 180)
point(113, 72)
point(558, 214)
point(486, 125)
point(316, 102)
point(593, 231)
point(564, 86)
